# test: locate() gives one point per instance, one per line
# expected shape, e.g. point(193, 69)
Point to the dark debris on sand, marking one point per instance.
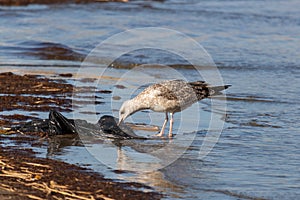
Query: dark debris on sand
point(24, 176)
point(11, 83)
point(37, 93)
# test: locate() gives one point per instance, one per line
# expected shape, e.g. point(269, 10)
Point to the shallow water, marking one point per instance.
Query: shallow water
point(255, 45)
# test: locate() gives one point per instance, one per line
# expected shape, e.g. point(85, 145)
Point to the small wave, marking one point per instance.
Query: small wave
point(256, 120)
point(250, 98)
point(255, 123)
point(41, 50)
point(234, 194)
point(149, 56)
point(49, 51)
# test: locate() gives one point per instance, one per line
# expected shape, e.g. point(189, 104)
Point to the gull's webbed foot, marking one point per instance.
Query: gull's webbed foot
point(160, 134)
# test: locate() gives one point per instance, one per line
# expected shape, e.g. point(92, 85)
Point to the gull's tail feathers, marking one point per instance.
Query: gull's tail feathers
point(204, 90)
point(216, 90)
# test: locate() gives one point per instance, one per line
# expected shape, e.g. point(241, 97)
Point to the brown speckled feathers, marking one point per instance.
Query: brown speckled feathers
point(168, 97)
point(176, 95)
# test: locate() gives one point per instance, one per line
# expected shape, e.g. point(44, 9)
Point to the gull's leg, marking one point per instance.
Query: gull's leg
point(163, 127)
point(171, 125)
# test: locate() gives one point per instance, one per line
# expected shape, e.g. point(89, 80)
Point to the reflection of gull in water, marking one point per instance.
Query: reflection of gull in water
point(145, 172)
point(170, 97)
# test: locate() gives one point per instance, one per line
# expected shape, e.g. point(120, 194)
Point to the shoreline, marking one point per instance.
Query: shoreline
point(26, 176)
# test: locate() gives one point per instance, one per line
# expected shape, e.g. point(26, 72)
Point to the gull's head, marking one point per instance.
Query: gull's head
point(125, 111)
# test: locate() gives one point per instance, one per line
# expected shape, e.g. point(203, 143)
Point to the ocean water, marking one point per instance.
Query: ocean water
point(255, 47)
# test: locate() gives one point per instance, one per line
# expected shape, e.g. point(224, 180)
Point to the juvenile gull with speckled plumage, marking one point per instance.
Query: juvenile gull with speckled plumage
point(170, 97)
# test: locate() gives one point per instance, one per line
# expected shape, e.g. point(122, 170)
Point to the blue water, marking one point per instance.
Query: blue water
point(255, 45)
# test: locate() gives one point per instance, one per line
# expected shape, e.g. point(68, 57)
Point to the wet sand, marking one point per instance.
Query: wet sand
point(34, 93)
point(25, 176)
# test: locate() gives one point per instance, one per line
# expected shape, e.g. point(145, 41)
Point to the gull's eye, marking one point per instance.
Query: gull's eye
point(122, 112)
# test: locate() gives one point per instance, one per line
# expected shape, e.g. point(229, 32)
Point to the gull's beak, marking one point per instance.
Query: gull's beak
point(120, 121)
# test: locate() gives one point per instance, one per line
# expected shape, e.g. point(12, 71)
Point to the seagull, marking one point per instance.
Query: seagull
point(169, 96)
